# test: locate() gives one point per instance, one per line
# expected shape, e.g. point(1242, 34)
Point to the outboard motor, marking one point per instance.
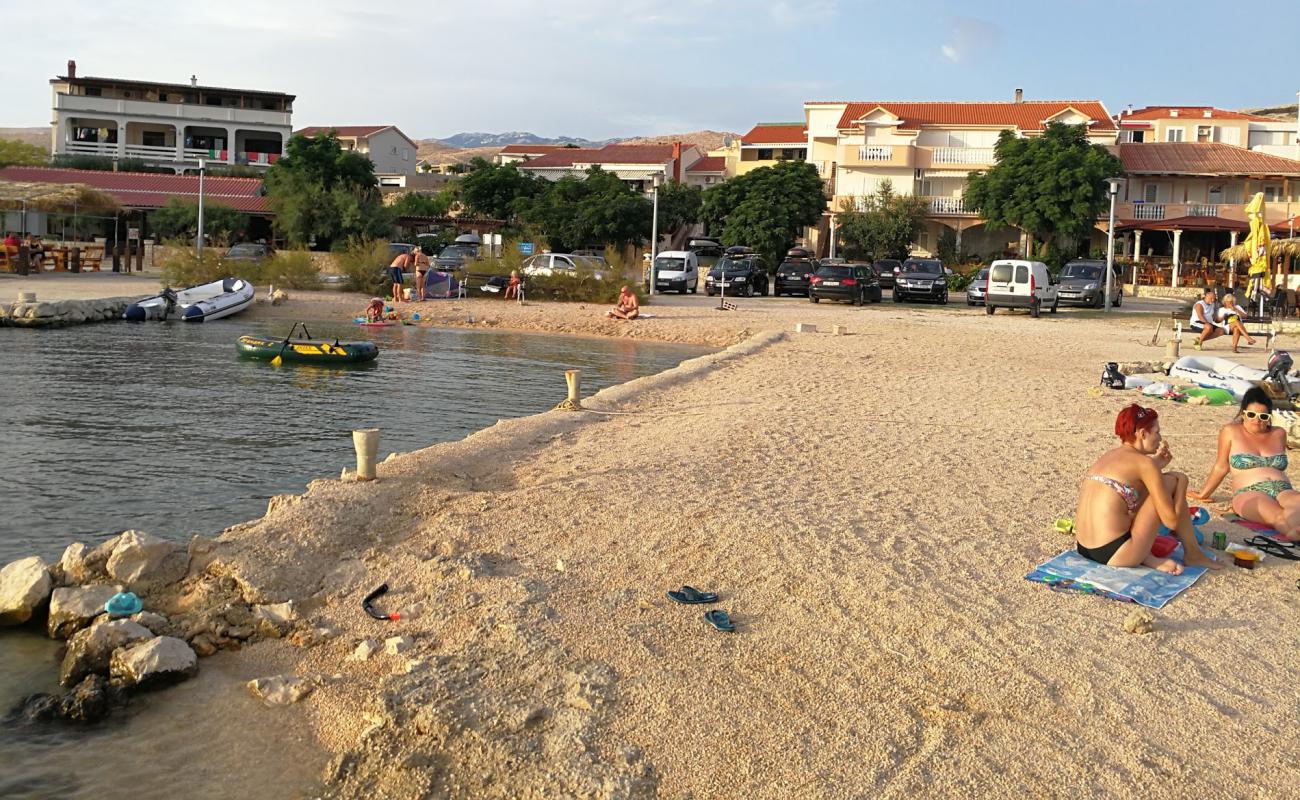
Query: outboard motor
point(1112, 377)
point(1279, 366)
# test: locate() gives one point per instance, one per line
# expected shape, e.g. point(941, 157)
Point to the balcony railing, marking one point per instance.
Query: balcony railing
point(90, 148)
point(1149, 211)
point(962, 155)
point(150, 153)
point(1202, 210)
point(876, 152)
point(947, 205)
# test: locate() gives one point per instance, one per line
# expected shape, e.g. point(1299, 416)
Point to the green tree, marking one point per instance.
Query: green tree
point(181, 219)
point(884, 225)
point(319, 190)
point(14, 153)
point(1050, 185)
point(679, 205)
point(767, 208)
point(495, 191)
point(415, 204)
point(598, 209)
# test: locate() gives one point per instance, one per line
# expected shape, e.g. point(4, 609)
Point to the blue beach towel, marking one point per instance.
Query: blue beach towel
point(1144, 585)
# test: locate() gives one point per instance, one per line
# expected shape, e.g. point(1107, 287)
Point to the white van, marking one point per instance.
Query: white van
point(1020, 284)
point(677, 270)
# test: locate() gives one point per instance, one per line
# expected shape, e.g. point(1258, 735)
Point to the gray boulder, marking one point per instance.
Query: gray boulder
point(90, 650)
point(90, 701)
point(24, 586)
point(157, 662)
point(72, 609)
point(154, 622)
point(141, 559)
point(82, 564)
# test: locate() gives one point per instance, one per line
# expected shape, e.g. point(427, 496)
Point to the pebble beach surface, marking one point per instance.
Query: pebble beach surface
point(866, 505)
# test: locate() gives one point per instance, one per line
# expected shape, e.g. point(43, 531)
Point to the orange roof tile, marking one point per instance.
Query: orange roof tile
point(776, 133)
point(1188, 112)
point(150, 190)
point(709, 164)
point(609, 154)
point(1202, 158)
point(1029, 115)
point(532, 149)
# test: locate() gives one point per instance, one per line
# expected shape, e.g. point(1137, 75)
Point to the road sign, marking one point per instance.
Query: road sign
point(525, 248)
point(133, 233)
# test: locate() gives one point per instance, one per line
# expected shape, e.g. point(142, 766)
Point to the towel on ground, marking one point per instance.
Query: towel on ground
point(1144, 585)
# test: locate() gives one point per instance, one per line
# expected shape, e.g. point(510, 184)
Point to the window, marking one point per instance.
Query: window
point(1137, 136)
point(209, 100)
point(1001, 273)
point(162, 97)
point(765, 154)
point(1214, 195)
point(1173, 134)
point(1272, 194)
point(1022, 273)
point(1150, 192)
point(93, 91)
point(1267, 139)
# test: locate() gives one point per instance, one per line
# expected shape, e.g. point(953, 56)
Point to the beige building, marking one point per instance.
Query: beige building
point(766, 144)
point(1205, 124)
point(391, 151)
point(927, 149)
point(635, 164)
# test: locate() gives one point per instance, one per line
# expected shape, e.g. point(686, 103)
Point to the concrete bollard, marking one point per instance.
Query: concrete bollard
point(572, 377)
point(805, 327)
point(840, 330)
point(1171, 350)
point(366, 443)
point(27, 297)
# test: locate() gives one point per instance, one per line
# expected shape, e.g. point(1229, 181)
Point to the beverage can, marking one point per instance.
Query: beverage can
point(1220, 541)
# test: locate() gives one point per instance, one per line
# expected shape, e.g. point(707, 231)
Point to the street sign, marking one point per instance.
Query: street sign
point(133, 233)
point(525, 248)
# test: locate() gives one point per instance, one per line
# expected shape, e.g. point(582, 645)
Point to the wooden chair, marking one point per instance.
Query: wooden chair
point(92, 258)
point(9, 258)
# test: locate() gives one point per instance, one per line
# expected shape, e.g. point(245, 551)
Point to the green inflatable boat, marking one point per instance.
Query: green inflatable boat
point(307, 351)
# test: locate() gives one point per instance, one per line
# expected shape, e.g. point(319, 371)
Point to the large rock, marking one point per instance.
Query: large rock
point(72, 609)
point(141, 559)
point(82, 564)
point(156, 662)
point(90, 701)
point(24, 586)
point(280, 690)
point(90, 650)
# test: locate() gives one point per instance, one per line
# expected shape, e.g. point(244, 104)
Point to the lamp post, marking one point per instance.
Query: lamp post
point(832, 236)
point(1113, 186)
point(199, 241)
point(655, 181)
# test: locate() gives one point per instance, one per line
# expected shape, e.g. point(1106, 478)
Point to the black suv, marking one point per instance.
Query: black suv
point(921, 279)
point(1083, 283)
point(741, 274)
point(888, 269)
point(793, 275)
point(857, 283)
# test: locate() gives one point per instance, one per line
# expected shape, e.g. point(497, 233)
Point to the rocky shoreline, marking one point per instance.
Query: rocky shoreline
point(62, 313)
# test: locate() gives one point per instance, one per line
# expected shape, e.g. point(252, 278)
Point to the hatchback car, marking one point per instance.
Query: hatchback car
point(1082, 282)
point(856, 283)
point(738, 274)
point(544, 264)
point(921, 279)
point(978, 288)
point(888, 269)
point(248, 251)
point(792, 276)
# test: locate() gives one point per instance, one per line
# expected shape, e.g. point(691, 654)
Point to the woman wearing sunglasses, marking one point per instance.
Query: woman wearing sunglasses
point(1254, 452)
point(1127, 495)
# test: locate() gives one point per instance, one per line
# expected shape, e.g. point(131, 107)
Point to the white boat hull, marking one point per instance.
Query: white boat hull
point(207, 301)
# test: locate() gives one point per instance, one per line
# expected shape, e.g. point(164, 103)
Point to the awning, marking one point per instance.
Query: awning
point(1211, 224)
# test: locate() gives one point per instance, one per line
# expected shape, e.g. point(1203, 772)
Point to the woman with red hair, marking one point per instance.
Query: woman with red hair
point(1127, 495)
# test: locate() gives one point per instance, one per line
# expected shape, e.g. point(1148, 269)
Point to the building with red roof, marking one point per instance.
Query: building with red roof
point(1206, 124)
point(636, 164)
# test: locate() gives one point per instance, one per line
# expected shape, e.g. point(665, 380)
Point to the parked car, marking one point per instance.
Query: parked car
point(794, 273)
point(1020, 284)
point(1082, 282)
point(676, 270)
point(888, 269)
point(921, 279)
point(544, 264)
point(977, 288)
point(248, 251)
point(738, 273)
point(707, 251)
point(856, 283)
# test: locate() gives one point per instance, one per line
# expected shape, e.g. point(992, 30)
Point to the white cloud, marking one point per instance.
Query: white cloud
point(969, 38)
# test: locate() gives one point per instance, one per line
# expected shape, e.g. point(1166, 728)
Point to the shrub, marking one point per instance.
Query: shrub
point(182, 267)
point(362, 263)
point(292, 269)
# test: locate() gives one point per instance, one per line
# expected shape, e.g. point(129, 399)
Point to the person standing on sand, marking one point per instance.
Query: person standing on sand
point(400, 263)
point(421, 271)
point(628, 307)
point(1127, 495)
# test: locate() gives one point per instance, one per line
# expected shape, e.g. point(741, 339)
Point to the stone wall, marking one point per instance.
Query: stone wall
point(61, 313)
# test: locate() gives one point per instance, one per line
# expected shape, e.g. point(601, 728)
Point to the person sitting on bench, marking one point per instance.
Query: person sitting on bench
point(1202, 320)
point(1230, 316)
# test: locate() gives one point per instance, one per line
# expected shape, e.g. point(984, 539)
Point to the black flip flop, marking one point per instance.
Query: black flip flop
point(689, 595)
point(1273, 547)
point(719, 619)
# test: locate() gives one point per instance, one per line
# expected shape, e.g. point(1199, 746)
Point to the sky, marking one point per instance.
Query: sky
point(619, 68)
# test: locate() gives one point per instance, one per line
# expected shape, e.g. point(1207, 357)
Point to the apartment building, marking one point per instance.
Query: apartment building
point(514, 153)
point(635, 164)
point(765, 145)
point(167, 124)
point(1206, 124)
point(392, 152)
point(928, 149)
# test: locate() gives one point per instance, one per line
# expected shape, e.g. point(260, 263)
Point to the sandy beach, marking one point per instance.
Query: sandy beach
point(866, 506)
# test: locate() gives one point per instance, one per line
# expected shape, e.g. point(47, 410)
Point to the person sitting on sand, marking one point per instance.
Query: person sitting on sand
point(1127, 495)
point(375, 311)
point(1202, 321)
point(1253, 450)
point(628, 308)
point(1229, 317)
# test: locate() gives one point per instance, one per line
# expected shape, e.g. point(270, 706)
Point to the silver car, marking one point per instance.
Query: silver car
point(978, 287)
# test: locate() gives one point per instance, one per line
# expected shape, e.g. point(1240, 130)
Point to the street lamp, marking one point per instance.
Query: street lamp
point(1113, 186)
point(832, 236)
point(655, 182)
point(199, 243)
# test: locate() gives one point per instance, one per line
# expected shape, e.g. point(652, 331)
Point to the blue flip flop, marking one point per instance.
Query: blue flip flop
point(690, 596)
point(719, 619)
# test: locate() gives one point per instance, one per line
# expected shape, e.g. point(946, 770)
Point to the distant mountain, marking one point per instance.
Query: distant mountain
point(1281, 112)
point(37, 136)
point(463, 140)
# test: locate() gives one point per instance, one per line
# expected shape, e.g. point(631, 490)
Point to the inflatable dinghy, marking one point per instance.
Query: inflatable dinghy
point(1217, 373)
point(207, 301)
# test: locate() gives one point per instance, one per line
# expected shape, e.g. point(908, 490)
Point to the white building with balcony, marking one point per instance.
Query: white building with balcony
point(928, 149)
point(392, 152)
point(167, 124)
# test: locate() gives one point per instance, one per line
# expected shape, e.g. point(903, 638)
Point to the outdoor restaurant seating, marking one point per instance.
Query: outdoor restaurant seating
point(58, 257)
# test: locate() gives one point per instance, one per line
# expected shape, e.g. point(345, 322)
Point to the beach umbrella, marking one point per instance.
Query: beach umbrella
point(1260, 275)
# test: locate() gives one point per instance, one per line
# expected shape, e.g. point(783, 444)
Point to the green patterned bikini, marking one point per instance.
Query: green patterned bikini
point(1251, 461)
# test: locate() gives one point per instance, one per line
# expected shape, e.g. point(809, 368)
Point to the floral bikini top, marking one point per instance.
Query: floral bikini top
point(1253, 461)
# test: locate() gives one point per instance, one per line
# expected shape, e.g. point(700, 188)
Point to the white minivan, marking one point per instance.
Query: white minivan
point(677, 270)
point(1020, 284)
